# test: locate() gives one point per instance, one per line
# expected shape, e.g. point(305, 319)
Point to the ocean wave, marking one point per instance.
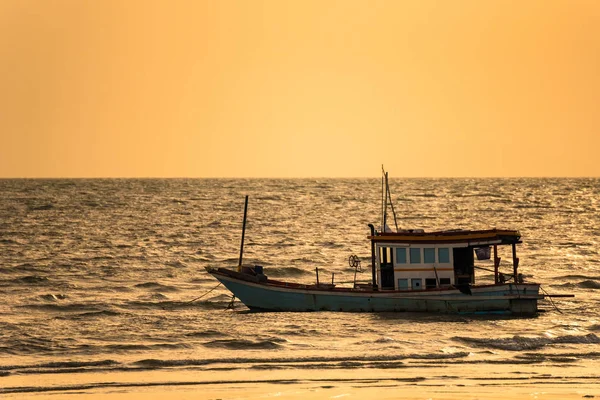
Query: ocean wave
point(157, 296)
point(331, 245)
point(264, 363)
point(578, 276)
point(560, 358)
point(380, 340)
point(94, 314)
point(298, 332)
point(153, 363)
point(61, 364)
point(202, 279)
point(587, 284)
point(31, 280)
point(570, 244)
point(269, 198)
point(106, 257)
point(533, 206)
point(176, 264)
point(36, 346)
point(26, 344)
point(493, 195)
point(72, 307)
point(118, 347)
point(399, 362)
point(247, 344)
point(207, 258)
point(357, 360)
point(75, 388)
point(331, 365)
point(384, 340)
point(52, 297)
point(121, 289)
point(205, 333)
point(179, 201)
point(286, 242)
point(579, 355)
point(174, 305)
point(426, 195)
point(155, 286)
point(229, 261)
point(123, 245)
point(43, 207)
point(519, 343)
point(24, 267)
point(91, 204)
point(9, 241)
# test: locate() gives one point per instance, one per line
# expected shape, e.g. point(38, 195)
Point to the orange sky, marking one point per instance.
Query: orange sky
point(303, 88)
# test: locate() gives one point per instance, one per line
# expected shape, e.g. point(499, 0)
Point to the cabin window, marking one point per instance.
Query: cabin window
point(430, 283)
point(416, 284)
point(415, 256)
point(401, 256)
point(385, 256)
point(444, 281)
point(402, 284)
point(443, 255)
point(429, 256)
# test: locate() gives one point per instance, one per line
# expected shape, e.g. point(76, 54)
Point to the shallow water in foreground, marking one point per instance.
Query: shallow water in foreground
point(98, 276)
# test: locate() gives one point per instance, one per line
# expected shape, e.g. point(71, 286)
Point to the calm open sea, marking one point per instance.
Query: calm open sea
point(99, 276)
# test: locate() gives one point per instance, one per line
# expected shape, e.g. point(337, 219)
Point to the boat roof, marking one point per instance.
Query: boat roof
point(472, 237)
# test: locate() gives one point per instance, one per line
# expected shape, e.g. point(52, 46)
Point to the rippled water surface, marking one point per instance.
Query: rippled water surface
point(102, 275)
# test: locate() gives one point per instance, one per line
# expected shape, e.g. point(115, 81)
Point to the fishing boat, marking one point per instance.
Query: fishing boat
point(412, 271)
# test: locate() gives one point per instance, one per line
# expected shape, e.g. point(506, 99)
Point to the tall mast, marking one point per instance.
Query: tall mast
point(243, 234)
point(388, 195)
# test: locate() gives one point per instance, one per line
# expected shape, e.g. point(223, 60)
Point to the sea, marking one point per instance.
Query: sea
point(106, 278)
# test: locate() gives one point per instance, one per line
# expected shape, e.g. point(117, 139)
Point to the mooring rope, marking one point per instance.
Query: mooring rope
point(551, 301)
point(231, 305)
point(198, 298)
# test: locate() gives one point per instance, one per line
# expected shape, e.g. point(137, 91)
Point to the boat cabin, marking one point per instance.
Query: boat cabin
point(416, 260)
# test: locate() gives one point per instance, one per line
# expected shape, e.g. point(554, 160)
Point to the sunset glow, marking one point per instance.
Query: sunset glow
point(299, 88)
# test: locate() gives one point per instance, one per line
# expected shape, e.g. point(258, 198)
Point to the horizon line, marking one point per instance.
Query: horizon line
point(295, 177)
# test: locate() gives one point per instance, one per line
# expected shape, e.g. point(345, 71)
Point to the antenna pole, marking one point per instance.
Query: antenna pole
point(382, 203)
point(243, 234)
point(386, 204)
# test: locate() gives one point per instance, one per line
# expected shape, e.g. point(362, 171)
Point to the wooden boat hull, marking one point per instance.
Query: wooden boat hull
point(268, 295)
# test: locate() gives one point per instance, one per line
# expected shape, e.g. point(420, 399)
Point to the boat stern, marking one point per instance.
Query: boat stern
point(524, 306)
